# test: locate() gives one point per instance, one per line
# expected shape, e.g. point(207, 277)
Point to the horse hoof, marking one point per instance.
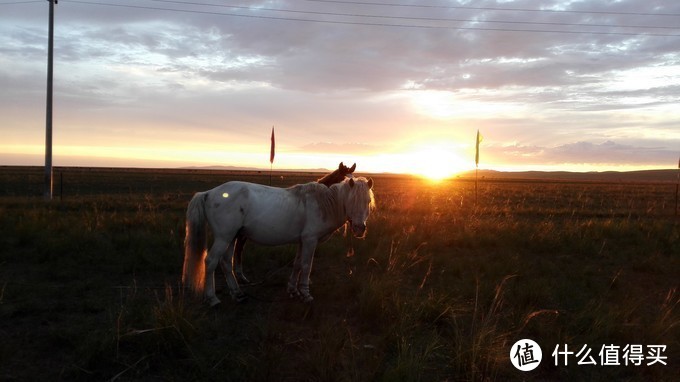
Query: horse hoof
point(214, 302)
point(293, 292)
point(307, 299)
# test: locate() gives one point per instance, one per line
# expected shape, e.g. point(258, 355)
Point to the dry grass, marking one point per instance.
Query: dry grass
point(439, 290)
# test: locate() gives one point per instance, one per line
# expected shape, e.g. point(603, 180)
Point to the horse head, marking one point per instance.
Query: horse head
point(360, 202)
point(338, 175)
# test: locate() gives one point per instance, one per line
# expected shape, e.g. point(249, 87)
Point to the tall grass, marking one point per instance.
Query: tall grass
point(439, 290)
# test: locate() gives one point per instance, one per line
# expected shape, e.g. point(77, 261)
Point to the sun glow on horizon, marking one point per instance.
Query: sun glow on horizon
point(431, 161)
point(434, 162)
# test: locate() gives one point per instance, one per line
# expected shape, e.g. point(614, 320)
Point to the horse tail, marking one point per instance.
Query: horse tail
point(195, 245)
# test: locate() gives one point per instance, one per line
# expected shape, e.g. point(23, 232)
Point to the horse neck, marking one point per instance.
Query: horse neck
point(328, 179)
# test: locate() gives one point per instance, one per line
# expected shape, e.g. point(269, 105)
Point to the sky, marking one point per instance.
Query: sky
point(393, 85)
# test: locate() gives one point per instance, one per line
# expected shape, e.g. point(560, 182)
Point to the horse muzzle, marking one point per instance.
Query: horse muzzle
point(359, 230)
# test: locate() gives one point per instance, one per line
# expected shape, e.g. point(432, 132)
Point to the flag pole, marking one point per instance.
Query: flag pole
point(477, 140)
point(476, 174)
point(677, 187)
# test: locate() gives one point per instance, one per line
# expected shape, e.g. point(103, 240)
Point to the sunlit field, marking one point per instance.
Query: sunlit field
point(441, 288)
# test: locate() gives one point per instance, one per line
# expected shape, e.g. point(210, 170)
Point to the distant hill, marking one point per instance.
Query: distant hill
point(237, 168)
point(593, 176)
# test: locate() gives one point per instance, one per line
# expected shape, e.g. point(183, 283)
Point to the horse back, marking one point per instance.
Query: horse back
point(267, 215)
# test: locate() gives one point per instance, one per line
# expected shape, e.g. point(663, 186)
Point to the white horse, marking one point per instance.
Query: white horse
point(305, 214)
point(336, 176)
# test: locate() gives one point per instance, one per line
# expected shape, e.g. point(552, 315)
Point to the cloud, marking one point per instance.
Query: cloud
point(348, 148)
point(609, 152)
point(320, 58)
point(580, 152)
point(175, 75)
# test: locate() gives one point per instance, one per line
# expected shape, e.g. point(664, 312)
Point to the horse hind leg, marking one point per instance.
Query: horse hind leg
point(238, 259)
point(214, 257)
point(221, 253)
point(232, 282)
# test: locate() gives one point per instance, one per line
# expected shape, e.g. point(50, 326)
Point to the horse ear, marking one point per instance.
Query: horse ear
point(354, 167)
point(340, 166)
point(370, 183)
point(351, 182)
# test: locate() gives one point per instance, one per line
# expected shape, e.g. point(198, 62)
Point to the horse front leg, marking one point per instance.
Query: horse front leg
point(295, 276)
point(307, 249)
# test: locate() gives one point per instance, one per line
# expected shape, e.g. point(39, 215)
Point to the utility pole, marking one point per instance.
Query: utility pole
point(48, 115)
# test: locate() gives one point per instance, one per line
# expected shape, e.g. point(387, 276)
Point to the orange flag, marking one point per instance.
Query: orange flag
point(272, 151)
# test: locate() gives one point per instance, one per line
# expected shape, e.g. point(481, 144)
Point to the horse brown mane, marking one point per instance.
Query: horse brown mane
point(338, 175)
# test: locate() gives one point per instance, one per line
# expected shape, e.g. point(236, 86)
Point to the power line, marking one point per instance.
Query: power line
point(491, 8)
point(318, 13)
point(376, 24)
point(22, 2)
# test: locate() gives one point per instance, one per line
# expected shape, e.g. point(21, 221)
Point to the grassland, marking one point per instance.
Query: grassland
point(439, 290)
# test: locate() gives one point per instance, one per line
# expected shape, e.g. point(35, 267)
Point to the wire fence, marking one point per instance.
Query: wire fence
point(70, 182)
point(638, 196)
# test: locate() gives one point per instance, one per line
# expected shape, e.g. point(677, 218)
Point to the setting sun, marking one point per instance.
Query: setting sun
point(434, 162)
